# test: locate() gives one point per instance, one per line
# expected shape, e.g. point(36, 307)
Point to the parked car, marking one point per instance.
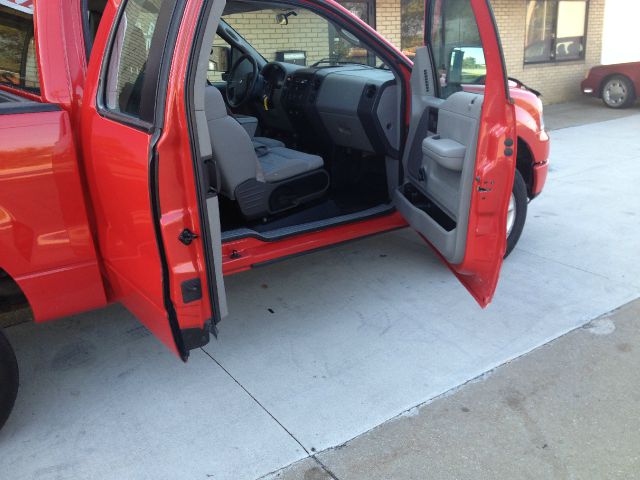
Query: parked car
point(131, 172)
point(617, 85)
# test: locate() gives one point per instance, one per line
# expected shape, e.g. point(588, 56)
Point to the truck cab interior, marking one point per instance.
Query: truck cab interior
point(299, 138)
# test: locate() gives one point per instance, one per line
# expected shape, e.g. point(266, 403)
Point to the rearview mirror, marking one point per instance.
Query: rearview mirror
point(283, 18)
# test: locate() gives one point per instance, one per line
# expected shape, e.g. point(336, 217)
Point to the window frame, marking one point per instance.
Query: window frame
point(555, 60)
point(153, 96)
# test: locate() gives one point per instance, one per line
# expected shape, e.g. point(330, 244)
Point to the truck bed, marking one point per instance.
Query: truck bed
point(10, 103)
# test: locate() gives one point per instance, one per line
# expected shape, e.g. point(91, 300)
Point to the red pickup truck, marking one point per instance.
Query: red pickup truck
point(148, 148)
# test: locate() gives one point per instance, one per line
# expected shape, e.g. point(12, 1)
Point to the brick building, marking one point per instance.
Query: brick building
point(556, 78)
point(548, 44)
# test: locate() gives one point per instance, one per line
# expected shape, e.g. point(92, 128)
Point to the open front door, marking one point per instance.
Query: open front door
point(151, 220)
point(459, 160)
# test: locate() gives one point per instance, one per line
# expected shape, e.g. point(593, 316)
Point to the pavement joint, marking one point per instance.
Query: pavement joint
point(325, 468)
point(590, 325)
point(257, 401)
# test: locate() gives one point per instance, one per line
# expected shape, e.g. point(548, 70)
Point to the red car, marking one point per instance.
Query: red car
point(148, 149)
point(617, 85)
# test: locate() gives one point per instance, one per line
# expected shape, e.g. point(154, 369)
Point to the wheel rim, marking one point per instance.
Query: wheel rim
point(511, 214)
point(615, 93)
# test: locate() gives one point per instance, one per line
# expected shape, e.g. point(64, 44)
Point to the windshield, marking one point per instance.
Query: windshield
point(296, 36)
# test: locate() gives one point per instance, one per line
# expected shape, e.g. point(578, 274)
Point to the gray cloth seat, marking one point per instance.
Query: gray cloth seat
point(266, 142)
point(252, 171)
point(280, 163)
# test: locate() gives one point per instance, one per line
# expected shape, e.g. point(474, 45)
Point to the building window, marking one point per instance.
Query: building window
point(555, 30)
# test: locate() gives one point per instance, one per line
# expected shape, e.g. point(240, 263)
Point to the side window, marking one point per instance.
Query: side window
point(219, 60)
point(456, 45)
point(129, 54)
point(18, 62)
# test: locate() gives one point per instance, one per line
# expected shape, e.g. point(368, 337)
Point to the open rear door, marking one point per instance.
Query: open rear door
point(151, 218)
point(459, 160)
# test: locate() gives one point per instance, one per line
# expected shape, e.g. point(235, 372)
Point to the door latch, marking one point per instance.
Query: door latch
point(187, 236)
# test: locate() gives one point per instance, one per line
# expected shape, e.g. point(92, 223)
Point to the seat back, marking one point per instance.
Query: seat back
point(231, 144)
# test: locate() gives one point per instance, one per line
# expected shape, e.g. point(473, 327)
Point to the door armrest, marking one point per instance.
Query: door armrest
point(446, 152)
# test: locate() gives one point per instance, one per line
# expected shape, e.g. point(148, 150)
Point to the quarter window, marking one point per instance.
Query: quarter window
point(18, 63)
point(129, 55)
point(555, 30)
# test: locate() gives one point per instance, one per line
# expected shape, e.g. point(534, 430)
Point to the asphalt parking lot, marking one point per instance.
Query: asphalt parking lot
point(359, 335)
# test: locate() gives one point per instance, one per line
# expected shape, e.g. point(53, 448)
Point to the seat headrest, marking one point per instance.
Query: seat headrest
point(214, 105)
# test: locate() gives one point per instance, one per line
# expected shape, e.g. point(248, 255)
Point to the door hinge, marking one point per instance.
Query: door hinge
point(187, 236)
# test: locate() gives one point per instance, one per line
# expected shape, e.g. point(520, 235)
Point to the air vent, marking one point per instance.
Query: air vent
point(370, 91)
point(426, 80)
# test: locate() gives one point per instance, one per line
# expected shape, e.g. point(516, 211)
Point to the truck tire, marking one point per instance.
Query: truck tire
point(517, 213)
point(8, 378)
point(618, 92)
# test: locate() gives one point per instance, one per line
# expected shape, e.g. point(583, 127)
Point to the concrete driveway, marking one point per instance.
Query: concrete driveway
point(320, 349)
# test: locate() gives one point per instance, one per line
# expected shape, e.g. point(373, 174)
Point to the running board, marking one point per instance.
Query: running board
point(284, 232)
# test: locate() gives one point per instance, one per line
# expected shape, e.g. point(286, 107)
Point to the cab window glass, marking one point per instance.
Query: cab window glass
point(18, 63)
point(129, 54)
point(456, 46)
point(299, 36)
point(219, 60)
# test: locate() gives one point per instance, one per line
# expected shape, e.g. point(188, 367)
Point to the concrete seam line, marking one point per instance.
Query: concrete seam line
point(325, 468)
point(478, 378)
point(257, 401)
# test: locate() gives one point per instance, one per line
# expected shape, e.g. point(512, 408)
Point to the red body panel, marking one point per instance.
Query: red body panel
point(45, 241)
point(178, 196)
point(531, 131)
point(592, 85)
point(116, 160)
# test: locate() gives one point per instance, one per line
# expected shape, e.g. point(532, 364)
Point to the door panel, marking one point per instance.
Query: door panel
point(141, 179)
point(440, 168)
point(459, 168)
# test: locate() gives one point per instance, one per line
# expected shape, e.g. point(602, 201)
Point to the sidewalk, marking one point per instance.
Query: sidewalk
point(570, 409)
point(583, 112)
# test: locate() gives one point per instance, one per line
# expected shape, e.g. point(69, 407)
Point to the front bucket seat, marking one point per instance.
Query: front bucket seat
point(263, 177)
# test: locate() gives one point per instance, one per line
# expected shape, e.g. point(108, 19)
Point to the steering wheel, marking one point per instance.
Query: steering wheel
point(241, 81)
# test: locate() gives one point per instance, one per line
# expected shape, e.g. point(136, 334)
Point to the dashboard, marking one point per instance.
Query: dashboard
point(353, 106)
